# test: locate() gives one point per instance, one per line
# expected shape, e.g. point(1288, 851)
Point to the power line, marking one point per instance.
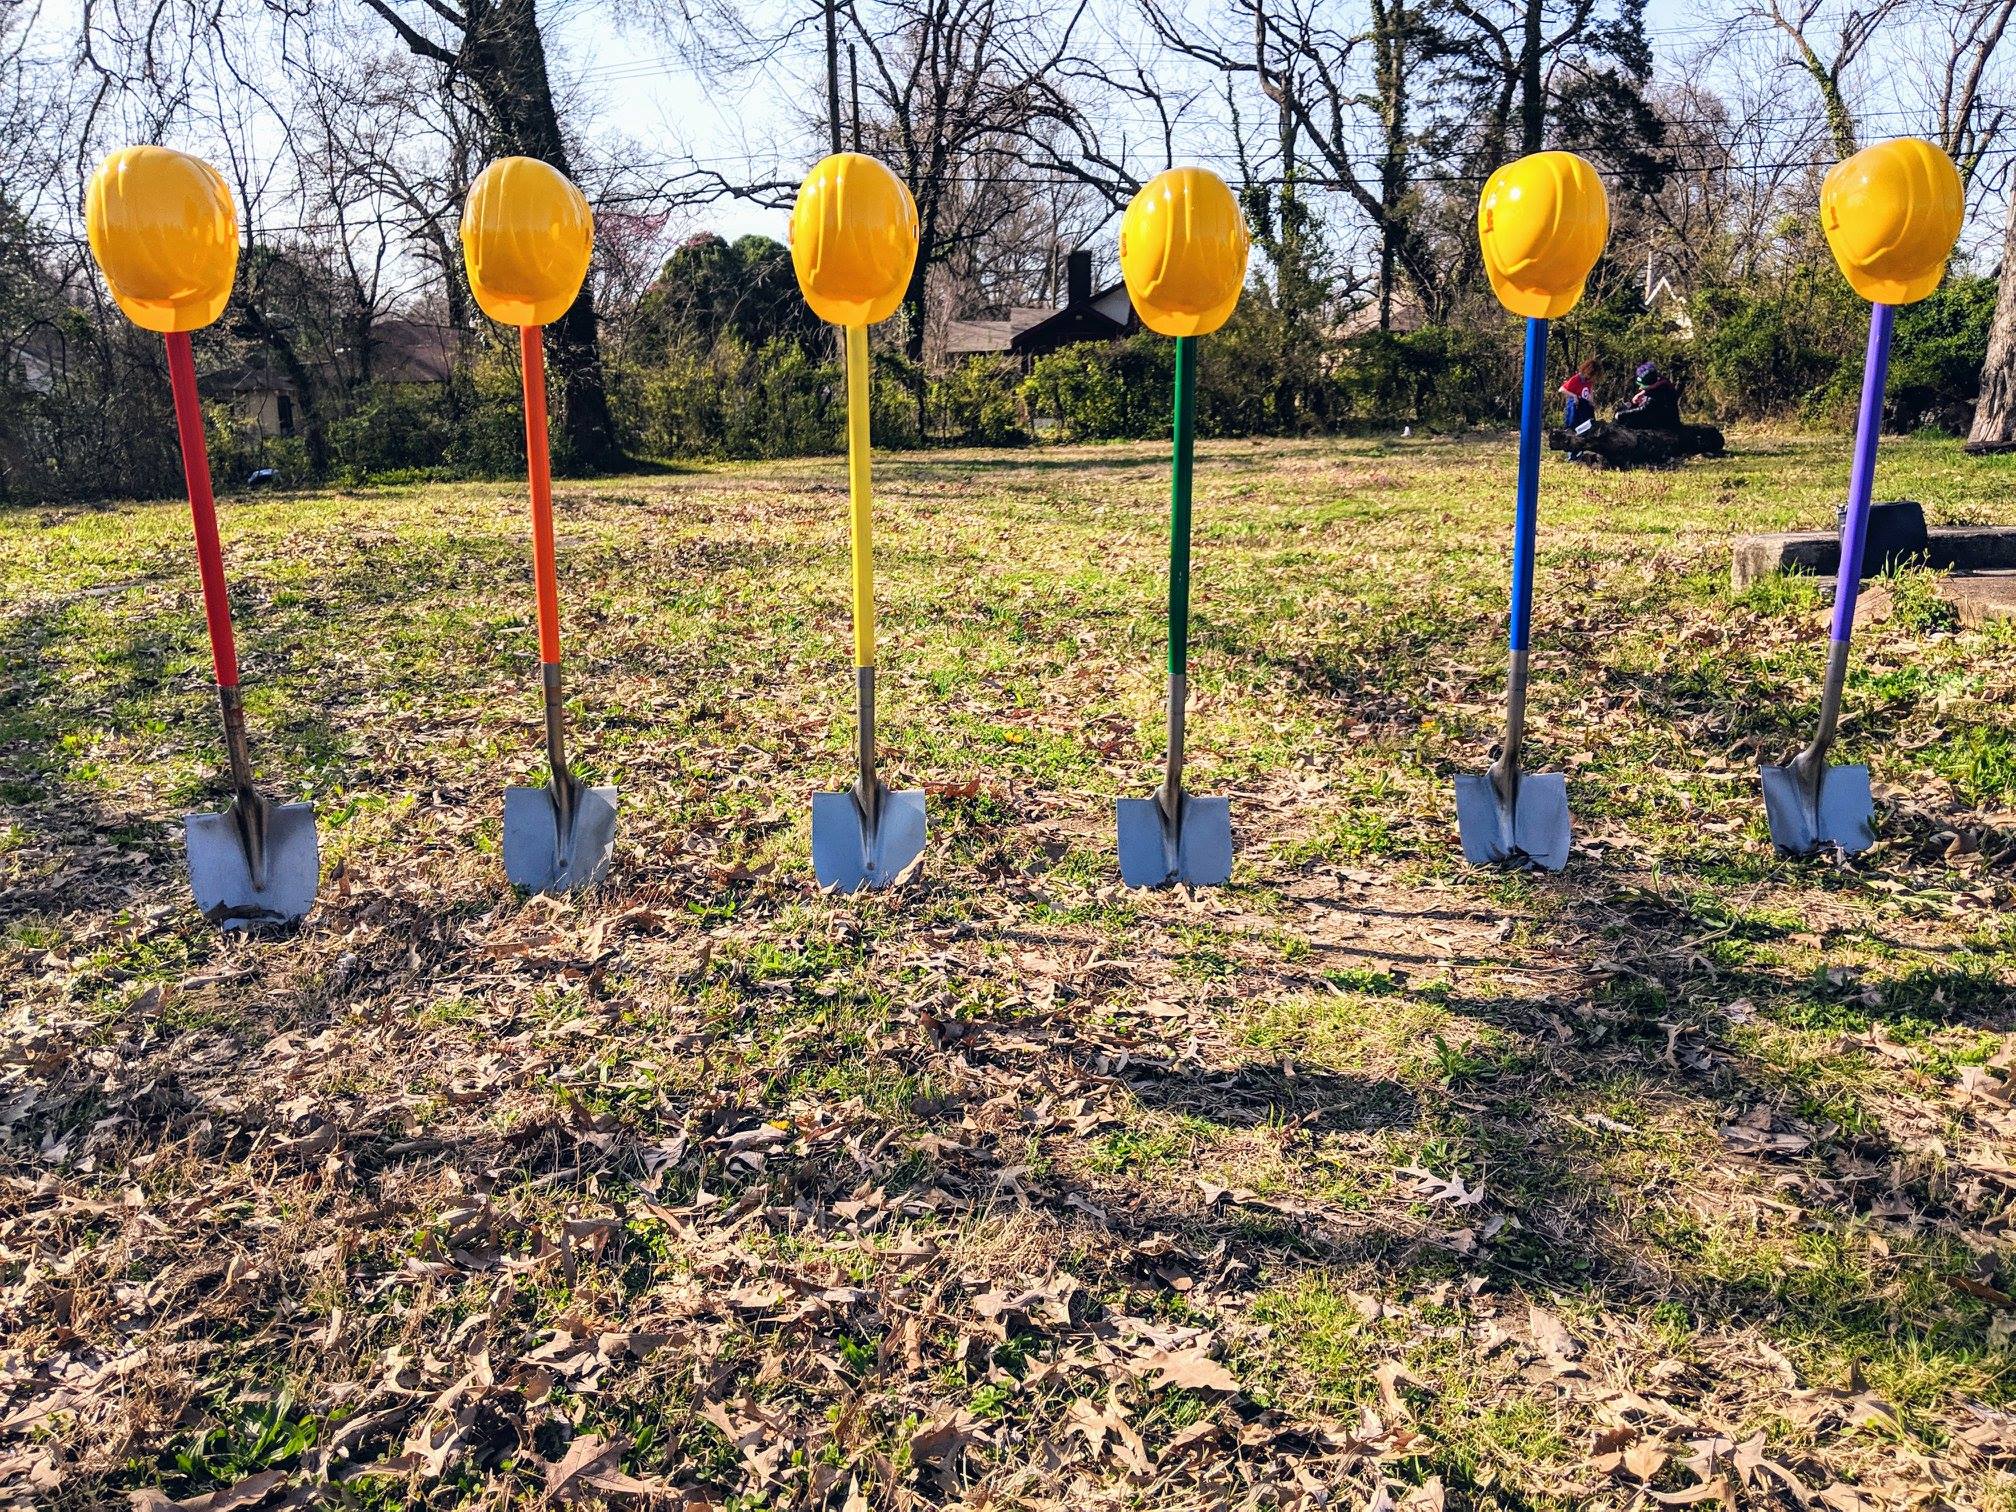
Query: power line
point(662, 197)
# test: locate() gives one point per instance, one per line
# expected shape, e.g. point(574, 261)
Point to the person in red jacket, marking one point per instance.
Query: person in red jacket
point(1579, 389)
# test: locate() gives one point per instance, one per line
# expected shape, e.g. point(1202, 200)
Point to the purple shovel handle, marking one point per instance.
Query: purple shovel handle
point(1862, 477)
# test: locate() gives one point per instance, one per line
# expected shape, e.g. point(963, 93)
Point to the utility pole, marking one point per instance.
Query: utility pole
point(833, 72)
point(854, 88)
point(833, 131)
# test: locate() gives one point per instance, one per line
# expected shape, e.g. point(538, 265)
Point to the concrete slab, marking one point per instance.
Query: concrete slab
point(1948, 548)
point(1981, 597)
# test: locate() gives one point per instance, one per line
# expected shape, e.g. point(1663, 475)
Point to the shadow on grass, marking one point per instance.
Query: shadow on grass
point(1252, 1096)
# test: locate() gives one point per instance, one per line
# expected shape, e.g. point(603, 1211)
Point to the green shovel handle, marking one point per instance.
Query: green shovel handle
point(1184, 426)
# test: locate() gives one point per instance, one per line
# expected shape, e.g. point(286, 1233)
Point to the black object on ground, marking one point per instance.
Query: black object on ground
point(1624, 446)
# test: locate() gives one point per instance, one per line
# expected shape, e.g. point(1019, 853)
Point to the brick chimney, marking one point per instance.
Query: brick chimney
point(1078, 278)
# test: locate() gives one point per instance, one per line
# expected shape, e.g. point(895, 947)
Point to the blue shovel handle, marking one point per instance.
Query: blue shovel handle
point(1526, 523)
point(1862, 476)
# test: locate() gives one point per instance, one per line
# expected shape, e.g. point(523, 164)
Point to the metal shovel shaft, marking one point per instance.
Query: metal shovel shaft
point(1525, 537)
point(248, 807)
point(1183, 426)
point(1854, 527)
point(545, 570)
point(861, 545)
point(539, 473)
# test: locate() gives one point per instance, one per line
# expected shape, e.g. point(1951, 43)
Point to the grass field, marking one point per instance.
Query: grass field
point(1684, 1177)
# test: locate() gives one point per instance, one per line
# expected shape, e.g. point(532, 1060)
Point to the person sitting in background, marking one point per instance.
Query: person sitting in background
point(1654, 405)
point(1579, 391)
point(1579, 387)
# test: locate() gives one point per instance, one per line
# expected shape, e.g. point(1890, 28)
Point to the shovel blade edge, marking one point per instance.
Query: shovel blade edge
point(1483, 822)
point(220, 875)
point(1847, 808)
point(1533, 832)
point(1199, 855)
point(533, 856)
point(847, 858)
point(1540, 828)
point(1787, 812)
point(1842, 816)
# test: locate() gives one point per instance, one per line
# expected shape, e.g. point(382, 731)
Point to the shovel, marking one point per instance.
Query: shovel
point(867, 836)
point(1809, 804)
point(257, 862)
point(559, 836)
point(1507, 816)
point(1173, 837)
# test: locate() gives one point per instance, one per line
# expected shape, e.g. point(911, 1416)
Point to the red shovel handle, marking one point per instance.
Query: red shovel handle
point(539, 468)
point(202, 508)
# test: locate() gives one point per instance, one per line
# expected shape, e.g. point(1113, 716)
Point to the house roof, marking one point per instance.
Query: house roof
point(415, 351)
point(1071, 323)
point(976, 338)
point(1038, 328)
point(402, 351)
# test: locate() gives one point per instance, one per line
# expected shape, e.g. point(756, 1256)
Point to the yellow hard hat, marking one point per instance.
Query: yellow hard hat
point(165, 234)
point(1892, 213)
point(527, 234)
point(853, 239)
point(1542, 223)
point(1183, 247)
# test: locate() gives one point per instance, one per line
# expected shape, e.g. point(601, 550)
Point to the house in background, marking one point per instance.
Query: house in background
point(1031, 332)
point(402, 351)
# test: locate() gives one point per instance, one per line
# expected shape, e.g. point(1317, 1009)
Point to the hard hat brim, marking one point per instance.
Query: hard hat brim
point(510, 310)
point(172, 315)
point(853, 312)
point(1894, 291)
point(1187, 322)
point(1535, 304)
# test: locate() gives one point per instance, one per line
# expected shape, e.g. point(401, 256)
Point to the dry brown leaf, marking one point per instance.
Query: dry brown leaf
point(1191, 1369)
point(1551, 1334)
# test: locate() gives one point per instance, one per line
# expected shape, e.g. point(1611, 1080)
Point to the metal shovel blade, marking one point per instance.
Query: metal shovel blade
point(1197, 852)
point(1836, 809)
point(1533, 829)
point(849, 853)
point(220, 873)
point(535, 856)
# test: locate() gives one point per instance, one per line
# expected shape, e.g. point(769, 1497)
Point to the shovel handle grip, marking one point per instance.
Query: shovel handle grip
point(202, 508)
point(859, 497)
point(539, 472)
point(1526, 517)
point(1862, 474)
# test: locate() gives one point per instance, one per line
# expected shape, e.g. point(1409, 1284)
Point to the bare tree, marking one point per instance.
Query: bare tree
point(954, 90)
point(496, 49)
point(1329, 81)
point(1826, 45)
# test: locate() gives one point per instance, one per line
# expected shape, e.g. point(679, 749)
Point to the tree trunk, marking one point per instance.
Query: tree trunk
point(1390, 42)
point(1995, 411)
point(504, 56)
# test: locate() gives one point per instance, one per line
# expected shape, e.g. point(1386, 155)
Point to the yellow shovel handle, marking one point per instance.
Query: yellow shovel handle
point(858, 495)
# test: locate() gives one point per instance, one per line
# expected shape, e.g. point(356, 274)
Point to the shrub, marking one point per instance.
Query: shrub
point(1442, 375)
point(977, 403)
point(1942, 341)
point(1104, 391)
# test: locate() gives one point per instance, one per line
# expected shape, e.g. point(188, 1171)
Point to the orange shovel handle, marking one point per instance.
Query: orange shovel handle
point(539, 469)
